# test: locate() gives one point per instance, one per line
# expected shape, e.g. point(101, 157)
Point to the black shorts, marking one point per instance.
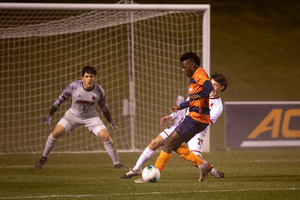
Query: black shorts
point(188, 128)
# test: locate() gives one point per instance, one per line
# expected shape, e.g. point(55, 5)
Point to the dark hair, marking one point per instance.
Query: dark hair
point(220, 79)
point(89, 70)
point(190, 55)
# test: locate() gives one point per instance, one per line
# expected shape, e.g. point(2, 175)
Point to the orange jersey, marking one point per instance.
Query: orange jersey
point(199, 109)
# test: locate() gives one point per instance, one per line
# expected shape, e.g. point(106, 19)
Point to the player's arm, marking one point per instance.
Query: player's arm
point(215, 113)
point(207, 88)
point(102, 104)
point(64, 96)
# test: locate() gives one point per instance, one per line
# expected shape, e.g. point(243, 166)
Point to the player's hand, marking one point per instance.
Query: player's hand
point(114, 126)
point(174, 109)
point(194, 97)
point(48, 120)
point(165, 120)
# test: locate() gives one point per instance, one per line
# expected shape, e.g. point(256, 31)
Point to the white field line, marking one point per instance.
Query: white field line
point(149, 193)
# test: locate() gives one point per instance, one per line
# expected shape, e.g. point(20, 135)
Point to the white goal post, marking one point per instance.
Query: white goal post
point(135, 49)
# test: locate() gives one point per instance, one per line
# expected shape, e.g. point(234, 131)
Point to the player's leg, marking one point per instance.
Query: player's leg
point(196, 146)
point(144, 157)
point(96, 126)
point(110, 148)
point(58, 131)
point(186, 131)
point(172, 141)
point(149, 151)
point(186, 153)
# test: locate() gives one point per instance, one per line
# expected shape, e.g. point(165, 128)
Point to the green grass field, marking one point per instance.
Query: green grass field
point(269, 174)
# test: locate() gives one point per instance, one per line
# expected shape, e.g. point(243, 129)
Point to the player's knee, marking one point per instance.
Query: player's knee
point(103, 135)
point(152, 145)
point(155, 143)
point(57, 134)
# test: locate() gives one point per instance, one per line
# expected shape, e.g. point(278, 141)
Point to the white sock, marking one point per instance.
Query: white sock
point(112, 151)
point(144, 157)
point(202, 165)
point(49, 145)
point(212, 170)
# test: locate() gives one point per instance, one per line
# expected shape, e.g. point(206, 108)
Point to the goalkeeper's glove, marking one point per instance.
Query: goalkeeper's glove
point(114, 126)
point(48, 120)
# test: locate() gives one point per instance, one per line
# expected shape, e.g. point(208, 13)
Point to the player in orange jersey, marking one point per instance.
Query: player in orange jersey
point(196, 121)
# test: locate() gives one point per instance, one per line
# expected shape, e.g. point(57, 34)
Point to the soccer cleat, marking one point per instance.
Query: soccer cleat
point(140, 180)
point(216, 174)
point(132, 173)
point(204, 171)
point(120, 166)
point(41, 162)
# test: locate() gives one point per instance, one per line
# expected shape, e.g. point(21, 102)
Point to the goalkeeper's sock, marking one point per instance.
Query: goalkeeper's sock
point(144, 157)
point(112, 151)
point(162, 160)
point(186, 153)
point(51, 141)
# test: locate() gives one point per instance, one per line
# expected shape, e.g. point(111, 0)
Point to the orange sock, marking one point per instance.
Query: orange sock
point(162, 160)
point(186, 153)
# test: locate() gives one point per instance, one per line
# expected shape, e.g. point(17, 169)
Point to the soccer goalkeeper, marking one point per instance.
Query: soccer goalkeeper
point(85, 94)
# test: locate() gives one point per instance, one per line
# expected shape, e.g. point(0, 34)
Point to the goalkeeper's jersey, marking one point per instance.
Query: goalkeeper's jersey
point(83, 102)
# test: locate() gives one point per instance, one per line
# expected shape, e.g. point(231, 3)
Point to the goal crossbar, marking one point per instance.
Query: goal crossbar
point(125, 7)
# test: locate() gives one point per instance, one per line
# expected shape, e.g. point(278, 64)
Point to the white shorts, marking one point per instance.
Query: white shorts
point(196, 143)
point(165, 133)
point(70, 121)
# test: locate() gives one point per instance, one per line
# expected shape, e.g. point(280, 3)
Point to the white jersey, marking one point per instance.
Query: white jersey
point(83, 108)
point(84, 103)
point(216, 109)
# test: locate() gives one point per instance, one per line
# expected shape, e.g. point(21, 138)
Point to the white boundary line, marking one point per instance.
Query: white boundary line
point(271, 143)
point(149, 193)
point(260, 102)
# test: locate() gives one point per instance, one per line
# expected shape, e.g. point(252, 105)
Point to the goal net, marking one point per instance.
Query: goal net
point(135, 49)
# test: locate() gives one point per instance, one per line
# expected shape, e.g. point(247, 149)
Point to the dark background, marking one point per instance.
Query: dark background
point(254, 43)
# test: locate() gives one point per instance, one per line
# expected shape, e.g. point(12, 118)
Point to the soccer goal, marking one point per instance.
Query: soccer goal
point(134, 47)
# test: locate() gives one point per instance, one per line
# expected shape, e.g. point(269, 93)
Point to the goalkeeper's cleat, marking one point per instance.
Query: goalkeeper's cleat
point(41, 162)
point(131, 173)
point(204, 170)
point(140, 180)
point(120, 166)
point(216, 174)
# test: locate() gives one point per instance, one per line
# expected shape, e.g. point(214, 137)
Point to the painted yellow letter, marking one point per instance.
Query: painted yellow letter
point(263, 126)
point(286, 120)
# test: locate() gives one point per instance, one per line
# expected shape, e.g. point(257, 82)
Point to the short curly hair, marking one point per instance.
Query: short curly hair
point(89, 70)
point(190, 55)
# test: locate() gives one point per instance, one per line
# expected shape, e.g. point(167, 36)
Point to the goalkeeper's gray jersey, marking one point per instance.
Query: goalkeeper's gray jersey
point(83, 102)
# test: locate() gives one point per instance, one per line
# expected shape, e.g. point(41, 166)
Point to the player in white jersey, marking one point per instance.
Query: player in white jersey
point(219, 83)
point(86, 95)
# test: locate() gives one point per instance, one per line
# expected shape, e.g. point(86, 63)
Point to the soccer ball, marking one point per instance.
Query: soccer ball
point(150, 174)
